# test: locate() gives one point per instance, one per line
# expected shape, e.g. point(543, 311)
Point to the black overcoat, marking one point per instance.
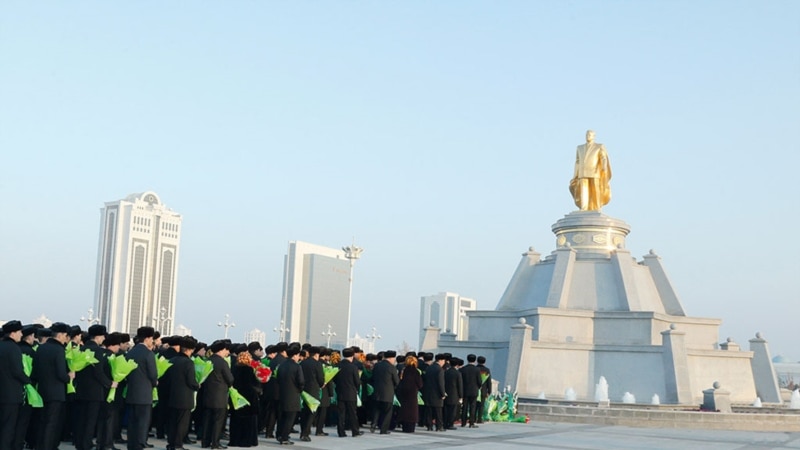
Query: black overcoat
point(407, 393)
point(290, 382)
point(93, 382)
point(453, 386)
point(12, 377)
point(433, 391)
point(347, 381)
point(215, 388)
point(182, 382)
point(50, 371)
point(471, 376)
point(384, 379)
point(313, 376)
point(144, 378)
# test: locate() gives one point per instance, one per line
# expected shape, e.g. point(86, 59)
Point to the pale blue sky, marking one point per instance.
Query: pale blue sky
point(440, 134)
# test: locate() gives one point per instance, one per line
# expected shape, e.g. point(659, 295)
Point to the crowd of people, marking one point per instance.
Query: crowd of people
point(247, 391)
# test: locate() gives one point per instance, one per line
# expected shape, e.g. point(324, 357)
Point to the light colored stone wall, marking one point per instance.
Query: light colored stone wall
point(730, 368)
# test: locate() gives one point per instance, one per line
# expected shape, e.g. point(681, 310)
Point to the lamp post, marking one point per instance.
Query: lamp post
point(163, 318)
point(281, 330)
point(352, 253)
point(373, 337)
point(329, 334)
point(90, 319)
point(227, 324)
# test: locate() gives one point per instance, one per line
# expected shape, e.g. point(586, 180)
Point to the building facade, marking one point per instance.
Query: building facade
point(316, 293)
point(446, 311)
point(137, 264)
point(255, 335)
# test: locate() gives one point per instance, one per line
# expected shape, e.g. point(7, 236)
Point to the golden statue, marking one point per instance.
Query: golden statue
point(590, 184)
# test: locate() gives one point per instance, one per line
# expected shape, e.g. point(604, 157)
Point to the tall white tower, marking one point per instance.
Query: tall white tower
point(316, 294)
point(137, 264)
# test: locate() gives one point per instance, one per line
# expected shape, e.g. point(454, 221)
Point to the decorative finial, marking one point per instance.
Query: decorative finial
point(672, 326)
point(716, 385)
point(522, 321)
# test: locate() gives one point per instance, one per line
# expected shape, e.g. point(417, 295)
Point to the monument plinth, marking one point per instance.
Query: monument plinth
point(590, 309)
point(590, 232)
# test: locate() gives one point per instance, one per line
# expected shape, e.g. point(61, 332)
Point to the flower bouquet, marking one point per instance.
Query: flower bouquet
point(162, 364)
point(31, 394)
point(202, 369)
point(262, 372)
point(78, 360)
point(237, 399)
point(330, 372)
point(310, 401)
point(120, 369)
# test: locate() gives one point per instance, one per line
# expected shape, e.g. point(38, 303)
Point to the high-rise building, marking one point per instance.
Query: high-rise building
point(255, 335)
point(137, 264)
point(316, 293)
point(447, 311)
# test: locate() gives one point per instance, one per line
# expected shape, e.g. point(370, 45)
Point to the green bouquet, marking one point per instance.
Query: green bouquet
point(237, 399)
point(310, 401)
point(202, 369)
point(31, 394)
point(121, 367)
point(420, 402)
point(78, 360)
point(330, 372)
point(162, 364)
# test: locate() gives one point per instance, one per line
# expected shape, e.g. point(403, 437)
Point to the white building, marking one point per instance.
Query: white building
point(366, 344)
point(446, 311)
point(137, 264)
point(316, 292)
point(255, 335)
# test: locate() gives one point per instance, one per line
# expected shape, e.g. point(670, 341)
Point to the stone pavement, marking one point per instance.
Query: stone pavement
point(544, 435)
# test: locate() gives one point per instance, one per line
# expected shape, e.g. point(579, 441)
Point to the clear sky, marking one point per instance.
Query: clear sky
point(441, 135)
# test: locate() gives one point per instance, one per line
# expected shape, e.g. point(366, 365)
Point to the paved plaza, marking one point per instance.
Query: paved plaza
point(545, 435)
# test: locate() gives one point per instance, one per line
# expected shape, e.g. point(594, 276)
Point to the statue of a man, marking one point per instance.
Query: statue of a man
point(590, 184)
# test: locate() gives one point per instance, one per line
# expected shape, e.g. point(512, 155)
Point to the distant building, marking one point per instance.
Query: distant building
point(316, 292)
point(137, 264)
point(255, 335)
point(368, 345)
point(447, 311)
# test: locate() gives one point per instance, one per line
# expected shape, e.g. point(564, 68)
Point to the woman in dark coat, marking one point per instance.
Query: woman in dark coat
point(407, 391)
point(244, 421)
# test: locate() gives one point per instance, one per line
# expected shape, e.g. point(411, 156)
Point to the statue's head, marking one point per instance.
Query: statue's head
point(589, 136)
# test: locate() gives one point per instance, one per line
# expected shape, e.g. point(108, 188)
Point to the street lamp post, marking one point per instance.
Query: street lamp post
point(162, 320)
point(373, 337)
point(281, 330)
point(90, 319)
point(227, 324)
point(329, 334)
point(352, 253)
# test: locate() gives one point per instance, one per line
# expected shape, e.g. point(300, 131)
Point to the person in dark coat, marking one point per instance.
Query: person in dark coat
point(182, 387)
point(314, 378)
point(215, 395)
point(109, 412)
point(433, 393)
point(271, 391)
point(244, 421)
point(471, 379)
point(384, 379)
point(12, 381)
point(24, 419)
point(141, 382)
point(407, 393)
point(52, 375)
point(290, 383)
point(169, 348)
point(326, 393)
point(91, 388)
point(486, 387)
point(454, 388)
point(347, 384)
